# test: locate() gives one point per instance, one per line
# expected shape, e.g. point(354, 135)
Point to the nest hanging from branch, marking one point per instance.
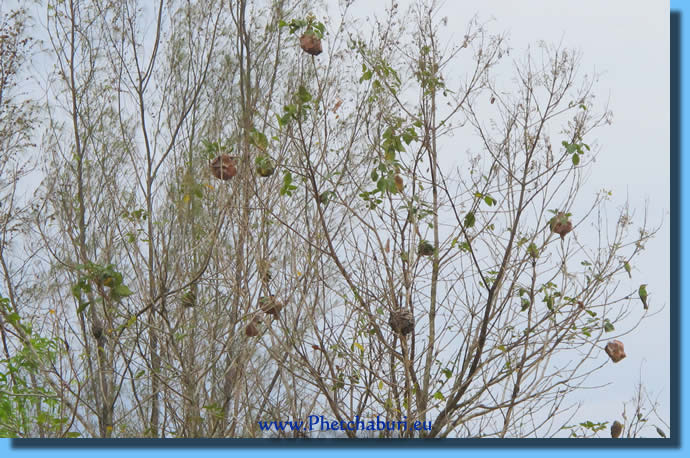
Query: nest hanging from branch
point(616, 429)
point(425, 248)
point(402, 321)
point(252, 329)
point(310, 43)
point(224, 167)
point(561, 224)
point(615, 350)
point(265, 166)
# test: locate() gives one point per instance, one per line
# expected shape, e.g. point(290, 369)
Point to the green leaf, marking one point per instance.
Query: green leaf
point(438, 395)
point(82, 306)
point(76, 290)
point(408, 135)
point(576, 159)
point(13, 317)
point(569, 147)
point(287, 187)
point(469, 220)
point(608, 326)
point(122, 291)
point(303, 95)
point(258, 139)
point(447, 372)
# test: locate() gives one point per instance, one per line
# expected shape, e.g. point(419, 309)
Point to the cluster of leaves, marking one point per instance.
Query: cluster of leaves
point(258, 140)
point(428, 74)
point(384, 174)
point(310, 24)
point(297, 110)
point(213, 149)
point(470, 218)
point(385, 75)
point(24, 406)
point(103, 277)
point(287, 187)
point(594, 427)
point(525, 302)
point(576, 149)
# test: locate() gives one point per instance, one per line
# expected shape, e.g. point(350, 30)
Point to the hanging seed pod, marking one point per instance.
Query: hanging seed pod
point(615, 350)
point(270, 305)
point(402, 321)
point(425, 248)
point(560, 224)
point(224, 167)
point(265, 166)
point(310, 43)
point(616, 429)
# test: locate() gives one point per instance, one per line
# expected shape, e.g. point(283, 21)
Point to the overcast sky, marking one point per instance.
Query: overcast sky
point(627, 43)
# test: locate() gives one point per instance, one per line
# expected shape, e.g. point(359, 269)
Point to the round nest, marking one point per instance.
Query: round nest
point(310, 44)
point(402, 321)
point(224, 167)
point(615, 350)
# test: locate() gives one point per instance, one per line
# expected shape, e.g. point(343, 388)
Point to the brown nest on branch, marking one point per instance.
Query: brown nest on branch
point(561, 224)
point(224, 167)
point(310, 43)
point(615, 350)
point(402, 321)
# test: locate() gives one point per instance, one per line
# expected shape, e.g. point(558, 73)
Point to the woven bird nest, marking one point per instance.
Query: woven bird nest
point(224, 167)
point(616, 429)
point(310, 43)
point(425, 248)
point(402, 321)
point(252, 329)
point(561, 224)
point(265, 166)
point(615, 350)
